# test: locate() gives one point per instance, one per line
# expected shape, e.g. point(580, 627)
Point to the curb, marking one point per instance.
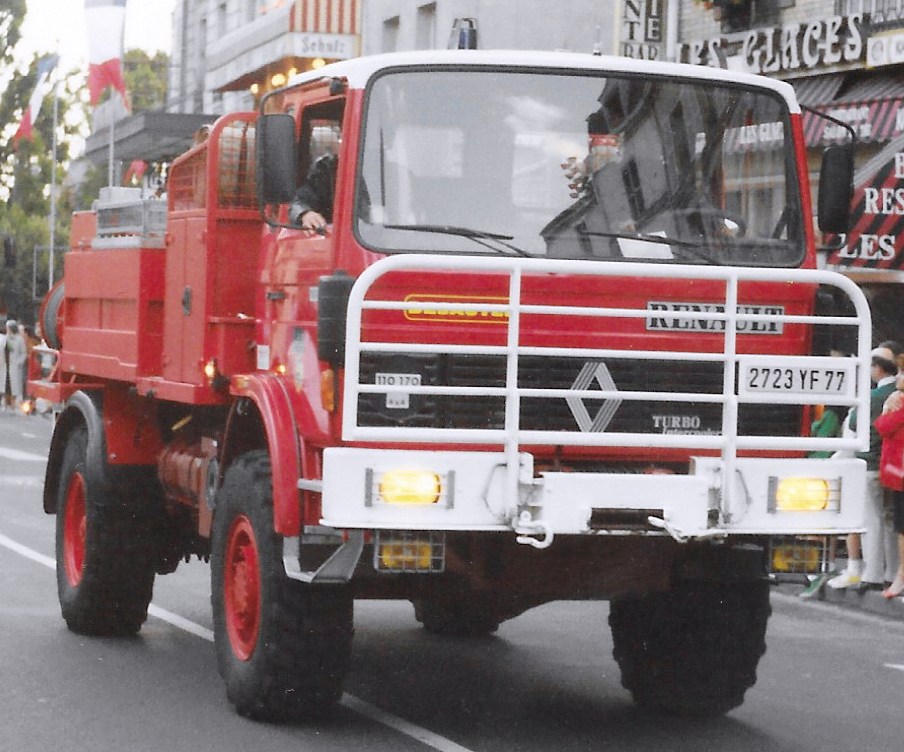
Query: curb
point(850, 599)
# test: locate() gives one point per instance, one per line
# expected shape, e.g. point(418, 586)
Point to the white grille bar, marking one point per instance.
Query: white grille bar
point(512, 436)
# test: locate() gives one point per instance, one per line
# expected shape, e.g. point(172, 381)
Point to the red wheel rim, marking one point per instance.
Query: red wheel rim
point(75, 525)
point(242, 588)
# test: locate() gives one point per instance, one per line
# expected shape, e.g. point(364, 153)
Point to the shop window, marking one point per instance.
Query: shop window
point(740, 15)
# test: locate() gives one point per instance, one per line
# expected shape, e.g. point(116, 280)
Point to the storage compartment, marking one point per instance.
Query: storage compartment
point(114, 313)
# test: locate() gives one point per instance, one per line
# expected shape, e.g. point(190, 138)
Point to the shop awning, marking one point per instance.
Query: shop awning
point(149, 136)
point(282, 38)
point(814, 91)
point(873, 105)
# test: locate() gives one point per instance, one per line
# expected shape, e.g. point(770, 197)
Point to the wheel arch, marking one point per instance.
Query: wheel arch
point(265, 416)
point(83, 410)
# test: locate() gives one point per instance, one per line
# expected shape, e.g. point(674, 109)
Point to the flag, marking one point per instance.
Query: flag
point(105, 20)
point(45, 67)
point(136, 171)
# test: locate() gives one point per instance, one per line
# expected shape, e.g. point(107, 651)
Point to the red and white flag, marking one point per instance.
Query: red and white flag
point(105, 20)
point(136, 171)
point(45, 67)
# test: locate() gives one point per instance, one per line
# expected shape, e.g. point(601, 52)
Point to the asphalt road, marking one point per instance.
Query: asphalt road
point(831, 681)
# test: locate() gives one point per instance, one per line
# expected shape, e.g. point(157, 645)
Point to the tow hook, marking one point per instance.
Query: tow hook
point(527, 529)
point(681, 537)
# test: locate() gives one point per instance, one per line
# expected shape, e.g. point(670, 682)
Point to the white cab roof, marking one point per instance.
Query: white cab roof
point(358, 71)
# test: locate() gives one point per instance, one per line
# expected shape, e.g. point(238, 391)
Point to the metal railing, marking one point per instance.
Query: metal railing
point(736, 366)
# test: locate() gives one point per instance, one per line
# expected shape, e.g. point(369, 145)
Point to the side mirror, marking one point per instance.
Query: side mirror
point(836, 189)
point(276, 158)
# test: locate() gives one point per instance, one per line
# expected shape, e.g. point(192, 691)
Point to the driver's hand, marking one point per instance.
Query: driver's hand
point(312, 220)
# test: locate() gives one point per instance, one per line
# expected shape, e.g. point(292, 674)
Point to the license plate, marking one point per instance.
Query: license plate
point(398, 400)
point(797, 377)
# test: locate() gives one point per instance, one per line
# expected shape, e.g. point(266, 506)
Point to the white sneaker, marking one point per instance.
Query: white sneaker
point(845, 580)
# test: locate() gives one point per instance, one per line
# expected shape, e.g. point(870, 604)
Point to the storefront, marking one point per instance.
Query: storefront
point(849, 66)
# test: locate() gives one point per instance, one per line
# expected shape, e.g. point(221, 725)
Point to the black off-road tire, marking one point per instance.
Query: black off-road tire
point(693, 650)
point(105, 545)
point(464, 616)
point(283, 647)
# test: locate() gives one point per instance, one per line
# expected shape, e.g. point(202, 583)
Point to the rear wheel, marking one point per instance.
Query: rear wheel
point(693, 650)
point(283, 646)
point(104, 547)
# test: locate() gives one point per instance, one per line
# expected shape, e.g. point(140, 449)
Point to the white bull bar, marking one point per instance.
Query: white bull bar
point(551, 504)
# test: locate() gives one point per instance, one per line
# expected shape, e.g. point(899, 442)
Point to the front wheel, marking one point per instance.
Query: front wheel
point(692, 650)
point(283, 647)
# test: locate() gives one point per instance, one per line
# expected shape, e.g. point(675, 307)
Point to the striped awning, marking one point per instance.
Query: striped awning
point(325, 16)
point(873, 87)
point(872, 104)
point(878, 121)
point(814, 91)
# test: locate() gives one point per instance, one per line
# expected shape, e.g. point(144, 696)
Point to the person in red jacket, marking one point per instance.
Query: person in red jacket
point(890, 425)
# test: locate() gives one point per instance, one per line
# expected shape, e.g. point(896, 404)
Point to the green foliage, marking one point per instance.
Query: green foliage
point(12, 14)
point(145, 78)
point(27, 169)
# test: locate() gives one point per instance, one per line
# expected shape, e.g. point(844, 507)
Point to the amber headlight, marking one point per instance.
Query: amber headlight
point(804, 494)
point(409, 487)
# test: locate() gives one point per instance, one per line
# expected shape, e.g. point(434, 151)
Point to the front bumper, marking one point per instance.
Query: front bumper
point(477, 493)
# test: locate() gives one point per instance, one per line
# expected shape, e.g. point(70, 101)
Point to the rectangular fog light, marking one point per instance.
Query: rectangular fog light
point(409, 551)
point(804, 494)
point(407, 487)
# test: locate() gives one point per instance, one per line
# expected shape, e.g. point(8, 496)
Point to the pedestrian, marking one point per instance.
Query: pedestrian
point(13, 347)
point(828, 424)
point(890, 425)
point(29, 339)
point(872, 557)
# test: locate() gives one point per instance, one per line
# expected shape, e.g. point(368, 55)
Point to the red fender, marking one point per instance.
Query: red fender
point(280, 411)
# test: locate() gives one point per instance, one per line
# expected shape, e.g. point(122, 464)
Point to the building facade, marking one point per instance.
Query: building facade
point(576, 25)
point(228, 53)
point(845, 58)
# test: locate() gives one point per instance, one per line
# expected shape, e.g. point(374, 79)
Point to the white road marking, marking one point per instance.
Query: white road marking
point(401, 725)
point(418, 733)
point(181, 622)
point(28, 553)
point(15, 454)
point(22, 481)
point(895, 666)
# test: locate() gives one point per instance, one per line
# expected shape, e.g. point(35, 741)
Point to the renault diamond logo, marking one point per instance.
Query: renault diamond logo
point(593, 371)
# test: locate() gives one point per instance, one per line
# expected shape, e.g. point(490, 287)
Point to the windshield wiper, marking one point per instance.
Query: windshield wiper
point(697, 250)
point(478, 236)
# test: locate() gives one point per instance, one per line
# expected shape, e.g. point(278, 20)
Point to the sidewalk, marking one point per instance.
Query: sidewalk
point(865, 601)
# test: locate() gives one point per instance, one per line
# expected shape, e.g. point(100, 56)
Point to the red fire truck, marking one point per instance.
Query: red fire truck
point(562, 338)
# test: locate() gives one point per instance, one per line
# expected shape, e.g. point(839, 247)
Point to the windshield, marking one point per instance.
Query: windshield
point(568, 165)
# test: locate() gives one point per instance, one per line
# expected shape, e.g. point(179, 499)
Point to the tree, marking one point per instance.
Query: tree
point(145, 79)
point(26, 169)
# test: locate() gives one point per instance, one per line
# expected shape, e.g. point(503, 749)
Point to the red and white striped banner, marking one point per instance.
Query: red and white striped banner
point(325, 16)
